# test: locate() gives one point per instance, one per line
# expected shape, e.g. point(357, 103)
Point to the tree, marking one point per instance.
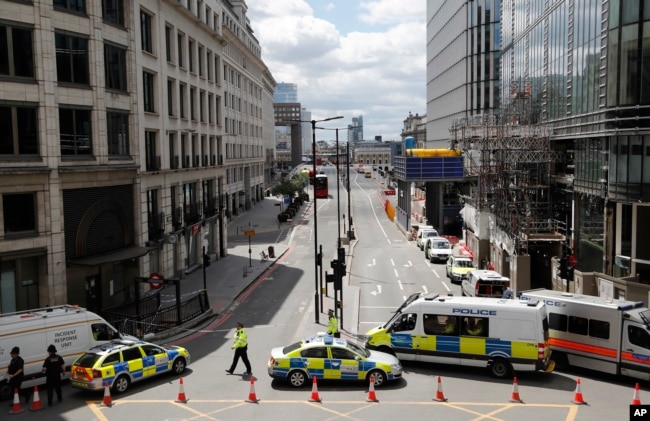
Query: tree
point(292, 186)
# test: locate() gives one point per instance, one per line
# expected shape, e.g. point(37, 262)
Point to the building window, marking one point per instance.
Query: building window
point(20, 126)
point(115, 67)
point(146, 31)
point(113, 12)
point(71, 59)
point(171, 94)
point(148, 86)
point(190, 55)
point(19, 213)
point(152, 160)
point(117, 129)
point(192, 104)
point(75, 134)
point(181, 100)
point(169, 36)
point(71, 5)
point(200, 60)
point(179, 45)
point(154, 220)
point(16, 52)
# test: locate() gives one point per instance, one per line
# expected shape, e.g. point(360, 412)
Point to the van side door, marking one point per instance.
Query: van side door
point(635, 350)
point(439, 341)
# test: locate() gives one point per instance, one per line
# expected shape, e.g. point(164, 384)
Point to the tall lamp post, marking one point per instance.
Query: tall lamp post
point(316, 255)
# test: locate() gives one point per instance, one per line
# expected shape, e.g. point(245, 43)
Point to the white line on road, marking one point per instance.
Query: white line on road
point(395, 270)
point(425, 289)
point(400, 285)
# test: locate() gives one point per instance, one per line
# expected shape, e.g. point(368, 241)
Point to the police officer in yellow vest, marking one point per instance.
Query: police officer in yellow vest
point(240, 345)
point(333, 324)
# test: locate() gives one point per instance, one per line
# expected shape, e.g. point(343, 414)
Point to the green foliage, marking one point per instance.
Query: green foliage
point(292, 186)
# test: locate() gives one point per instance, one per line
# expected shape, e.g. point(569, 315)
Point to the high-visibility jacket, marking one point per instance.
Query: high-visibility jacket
point(241, 339)
point(333, 325)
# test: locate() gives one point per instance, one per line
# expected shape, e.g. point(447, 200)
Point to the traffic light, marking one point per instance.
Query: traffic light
point(206, 260)
point(563, 268)
point(341, 254)
point(319, 259)
point(329, 277)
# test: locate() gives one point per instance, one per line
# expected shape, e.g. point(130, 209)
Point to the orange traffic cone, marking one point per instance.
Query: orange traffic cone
point(108, 401)
point(315, 397)
point(252, 397)
point(36, 402)
point(181, 393)
point(16, 408)
point(371, 391)
point(636, 400)
point(515, 392)
point(577, 398)
point(440, 397)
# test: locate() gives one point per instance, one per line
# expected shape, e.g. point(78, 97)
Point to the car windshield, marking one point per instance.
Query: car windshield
point(361, 351)
point(464, 263)
point(87, 360)
point(442, 245)
point(431, 234)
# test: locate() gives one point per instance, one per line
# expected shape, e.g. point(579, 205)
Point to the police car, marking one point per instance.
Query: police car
point(120, 363)
point(325, 357)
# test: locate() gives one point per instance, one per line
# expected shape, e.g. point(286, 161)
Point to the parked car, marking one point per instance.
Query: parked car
point(458, 268)
point(326, 357)
point(484, 283)
point(423, 235)
point(437, 249)
point(120, 363)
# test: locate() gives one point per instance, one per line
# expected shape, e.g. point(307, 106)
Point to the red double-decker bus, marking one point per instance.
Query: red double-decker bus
point(320, 186)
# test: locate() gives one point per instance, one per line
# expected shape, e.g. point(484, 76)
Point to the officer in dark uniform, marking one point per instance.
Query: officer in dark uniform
point(15, 373)
point(54, 368)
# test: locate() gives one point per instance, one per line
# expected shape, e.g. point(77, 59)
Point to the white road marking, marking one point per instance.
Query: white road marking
point(400, 285)
point(395, 271)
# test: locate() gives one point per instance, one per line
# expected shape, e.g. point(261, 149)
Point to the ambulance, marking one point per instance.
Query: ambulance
point(597, 333)
point(71, 329)
point(501, 334)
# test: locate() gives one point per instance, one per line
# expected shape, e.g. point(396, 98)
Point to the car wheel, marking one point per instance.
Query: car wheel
point(5, 391)
point(179, 366)
point(297, 378)
point(500, 368)
point(380, 377)
point(121, 384)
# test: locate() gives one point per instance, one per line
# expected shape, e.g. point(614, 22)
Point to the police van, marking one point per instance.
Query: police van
point(71, 329)
point(501, 334)
point(598, 333)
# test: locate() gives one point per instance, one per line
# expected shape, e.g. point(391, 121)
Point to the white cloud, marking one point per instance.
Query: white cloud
point(376, 70)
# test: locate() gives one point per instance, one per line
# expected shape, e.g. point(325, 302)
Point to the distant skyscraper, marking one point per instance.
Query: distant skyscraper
point(355, 133)
point(307, 139)
point(285, 92)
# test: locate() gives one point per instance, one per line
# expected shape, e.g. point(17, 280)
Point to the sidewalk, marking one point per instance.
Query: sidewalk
point(229, 276)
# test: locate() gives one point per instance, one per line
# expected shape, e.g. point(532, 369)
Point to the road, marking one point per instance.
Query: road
point(279, 309)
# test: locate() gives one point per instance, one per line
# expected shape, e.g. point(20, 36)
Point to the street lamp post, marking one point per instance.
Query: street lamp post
point(316, 255)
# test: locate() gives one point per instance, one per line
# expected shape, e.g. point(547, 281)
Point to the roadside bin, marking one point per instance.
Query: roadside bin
point(271, 252)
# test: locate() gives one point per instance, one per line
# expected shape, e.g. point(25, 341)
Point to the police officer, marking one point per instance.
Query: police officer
point(54, 368)
point(240, 345)
point(333, 324)
point(15, 373)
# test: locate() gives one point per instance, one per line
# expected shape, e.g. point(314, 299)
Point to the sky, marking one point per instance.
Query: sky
point(348, 58)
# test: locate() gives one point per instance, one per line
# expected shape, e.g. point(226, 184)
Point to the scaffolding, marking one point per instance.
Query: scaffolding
point(511, 166)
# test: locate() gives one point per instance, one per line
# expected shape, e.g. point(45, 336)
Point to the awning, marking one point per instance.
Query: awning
point(119, 255)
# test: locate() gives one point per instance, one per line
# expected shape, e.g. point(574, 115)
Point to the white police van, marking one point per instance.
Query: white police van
point(501, 334)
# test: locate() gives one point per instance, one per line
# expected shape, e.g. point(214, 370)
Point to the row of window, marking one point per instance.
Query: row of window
point(442, 324)
point(20, 123)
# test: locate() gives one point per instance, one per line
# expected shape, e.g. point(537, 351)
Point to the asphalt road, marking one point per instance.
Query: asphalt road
point(279, 309)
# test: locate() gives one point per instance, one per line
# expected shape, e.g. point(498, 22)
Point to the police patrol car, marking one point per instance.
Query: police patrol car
point(325, 357)
point(120, 363)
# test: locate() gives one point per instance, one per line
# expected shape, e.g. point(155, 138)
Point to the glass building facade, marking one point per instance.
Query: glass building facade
point(584, 65)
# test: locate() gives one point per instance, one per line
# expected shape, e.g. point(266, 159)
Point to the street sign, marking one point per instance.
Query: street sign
point(249, 233)
point(156, 281)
